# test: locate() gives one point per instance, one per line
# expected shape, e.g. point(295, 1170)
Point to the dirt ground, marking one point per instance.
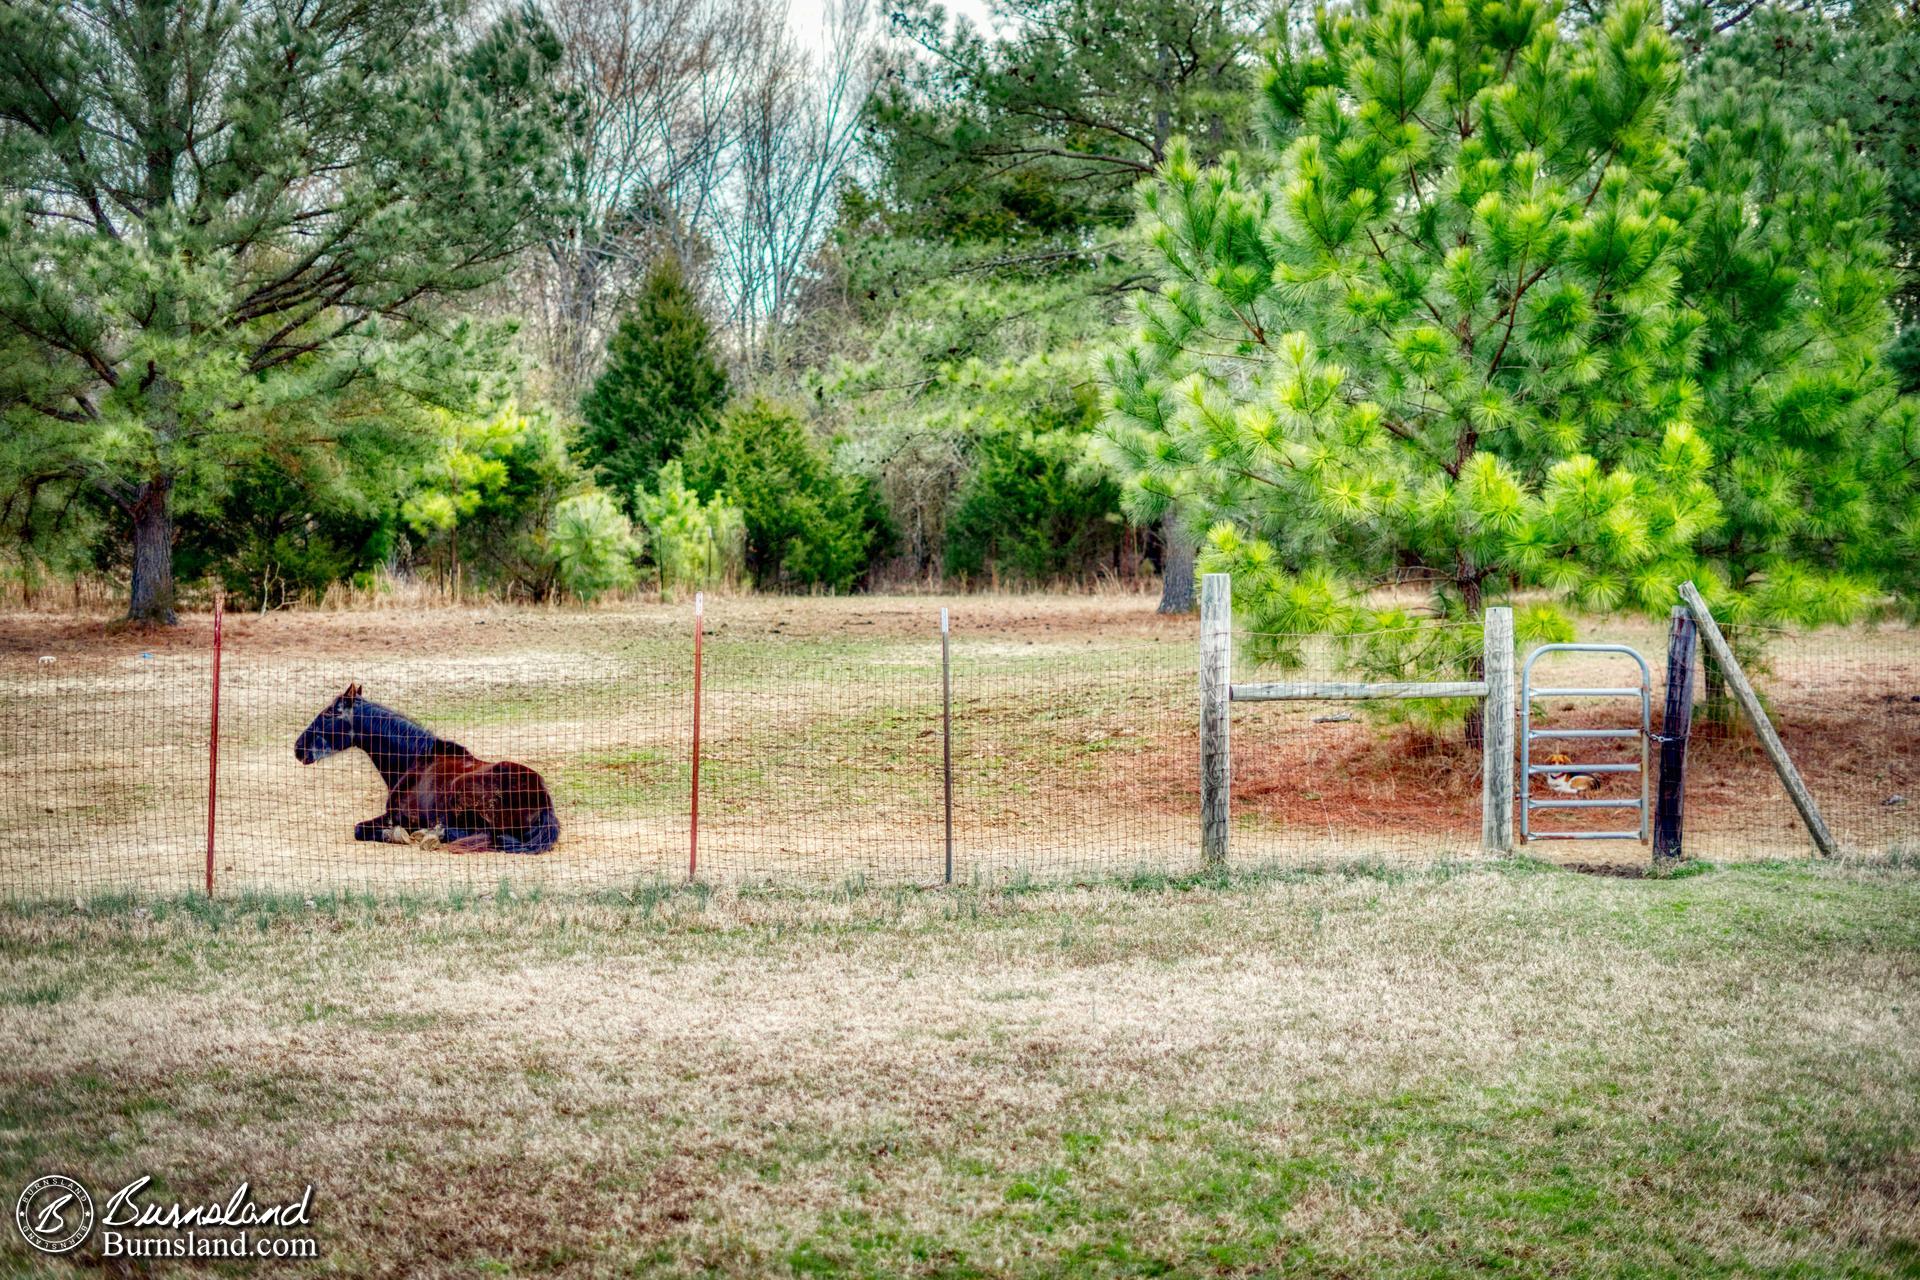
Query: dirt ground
point(1074, 747)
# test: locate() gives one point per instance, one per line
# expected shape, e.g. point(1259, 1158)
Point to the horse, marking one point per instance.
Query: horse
point(434, 784)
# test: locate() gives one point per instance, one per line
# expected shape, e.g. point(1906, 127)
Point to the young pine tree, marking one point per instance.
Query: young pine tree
point(1461, 338)
point(1816, 470)
point(662, 383)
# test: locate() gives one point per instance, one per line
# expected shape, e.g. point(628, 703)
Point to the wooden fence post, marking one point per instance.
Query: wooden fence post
point(1496, 763)
point(1676, 723)
point(1750, 703)
point(1216, 683)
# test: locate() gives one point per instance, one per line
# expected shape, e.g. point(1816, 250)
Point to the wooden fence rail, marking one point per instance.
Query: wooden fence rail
point(1218, 693)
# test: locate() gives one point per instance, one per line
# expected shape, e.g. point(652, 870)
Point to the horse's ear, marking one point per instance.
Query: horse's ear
point(352, 693)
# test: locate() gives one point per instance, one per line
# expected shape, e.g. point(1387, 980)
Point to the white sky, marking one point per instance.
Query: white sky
point(809, 22)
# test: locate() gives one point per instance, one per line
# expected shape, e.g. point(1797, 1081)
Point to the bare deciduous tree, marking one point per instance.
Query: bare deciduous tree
point(660, 85)
point(798, 136)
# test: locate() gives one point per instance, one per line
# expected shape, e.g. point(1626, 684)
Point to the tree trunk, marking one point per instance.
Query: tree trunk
point(152, 512)
point(1473, 728)
point(1176, 566)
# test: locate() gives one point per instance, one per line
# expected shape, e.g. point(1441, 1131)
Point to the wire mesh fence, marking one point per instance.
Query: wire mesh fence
point(823, 758)
point(1846, 704)
point(821, 761)
point(1402, 779)
point(1317, 780)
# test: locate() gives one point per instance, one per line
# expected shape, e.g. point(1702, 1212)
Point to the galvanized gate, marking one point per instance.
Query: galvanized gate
point(1532, 768)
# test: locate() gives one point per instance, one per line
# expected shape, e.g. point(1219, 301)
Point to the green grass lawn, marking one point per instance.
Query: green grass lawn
point(1469, 1070)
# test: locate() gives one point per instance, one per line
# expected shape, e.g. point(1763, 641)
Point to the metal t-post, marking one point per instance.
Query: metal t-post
point(946, 736)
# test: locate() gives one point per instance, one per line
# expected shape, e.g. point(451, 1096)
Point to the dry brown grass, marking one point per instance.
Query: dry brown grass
point(1427, 1074)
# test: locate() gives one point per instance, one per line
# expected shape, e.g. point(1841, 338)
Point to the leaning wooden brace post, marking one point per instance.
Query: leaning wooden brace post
point(1216, 685)
point(1676, 723)
point(1757, 715)
point(1496, 741)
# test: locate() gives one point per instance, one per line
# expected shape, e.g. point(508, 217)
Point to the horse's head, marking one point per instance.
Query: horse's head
point(331, 730)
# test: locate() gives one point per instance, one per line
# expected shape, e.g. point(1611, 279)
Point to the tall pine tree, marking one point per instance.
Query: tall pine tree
point(1463, 338)
point(992, 253)
point(662, 383)
point(226, 232)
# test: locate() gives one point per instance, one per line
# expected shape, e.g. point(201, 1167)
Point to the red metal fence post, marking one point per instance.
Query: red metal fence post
point(946, 738)
point(213, 740)
point(693, 820)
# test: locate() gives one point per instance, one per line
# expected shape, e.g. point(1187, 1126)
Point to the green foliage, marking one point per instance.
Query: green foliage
point(1857, 66)
point(591, 545)
point(1042, 129)
point(1460, 335)
point(953, 365)
point(504, 506)
point(808, 524)
point(982, 262)
point(693, 543)
point(222, 225)
point(281, 536)
point(1035, 508)
point(1788, 268)
point(662, 383)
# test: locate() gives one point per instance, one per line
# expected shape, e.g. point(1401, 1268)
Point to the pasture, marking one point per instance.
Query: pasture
point(1364, 1049)
point(1074, 748)
point(1458, 1070)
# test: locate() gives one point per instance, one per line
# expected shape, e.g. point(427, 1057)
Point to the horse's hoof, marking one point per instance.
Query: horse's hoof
point(398, 835)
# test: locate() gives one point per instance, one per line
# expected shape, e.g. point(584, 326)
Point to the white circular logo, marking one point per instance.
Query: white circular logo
point(54, 1213)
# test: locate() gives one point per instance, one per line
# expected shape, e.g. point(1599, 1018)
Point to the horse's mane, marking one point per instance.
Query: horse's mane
point(376, 720)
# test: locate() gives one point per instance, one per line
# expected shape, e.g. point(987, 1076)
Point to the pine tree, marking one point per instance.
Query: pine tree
point(226, 232)
point(995, 230)
point(1788, 266)
point(1459, 337)
point(662, 383)
point(1857, 65)
point(808, 524)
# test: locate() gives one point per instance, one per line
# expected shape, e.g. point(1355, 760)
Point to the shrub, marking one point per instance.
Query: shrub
point(693, 543)
point(662, 384)
point(591, 545)
point(1035, 508)
point(807, 523)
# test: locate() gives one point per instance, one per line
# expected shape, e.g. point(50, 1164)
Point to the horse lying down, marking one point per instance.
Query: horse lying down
point(434, 785)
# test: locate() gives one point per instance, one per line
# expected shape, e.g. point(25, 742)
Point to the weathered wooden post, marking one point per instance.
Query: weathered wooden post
point(1496, 739)
point(1216, 713)
point(1756, 714)
point(1676, 723)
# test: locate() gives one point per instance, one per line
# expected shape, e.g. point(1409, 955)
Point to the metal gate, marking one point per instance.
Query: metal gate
point(1531, 768)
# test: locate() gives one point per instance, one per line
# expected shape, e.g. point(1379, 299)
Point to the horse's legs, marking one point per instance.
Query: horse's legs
point(374, 829)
